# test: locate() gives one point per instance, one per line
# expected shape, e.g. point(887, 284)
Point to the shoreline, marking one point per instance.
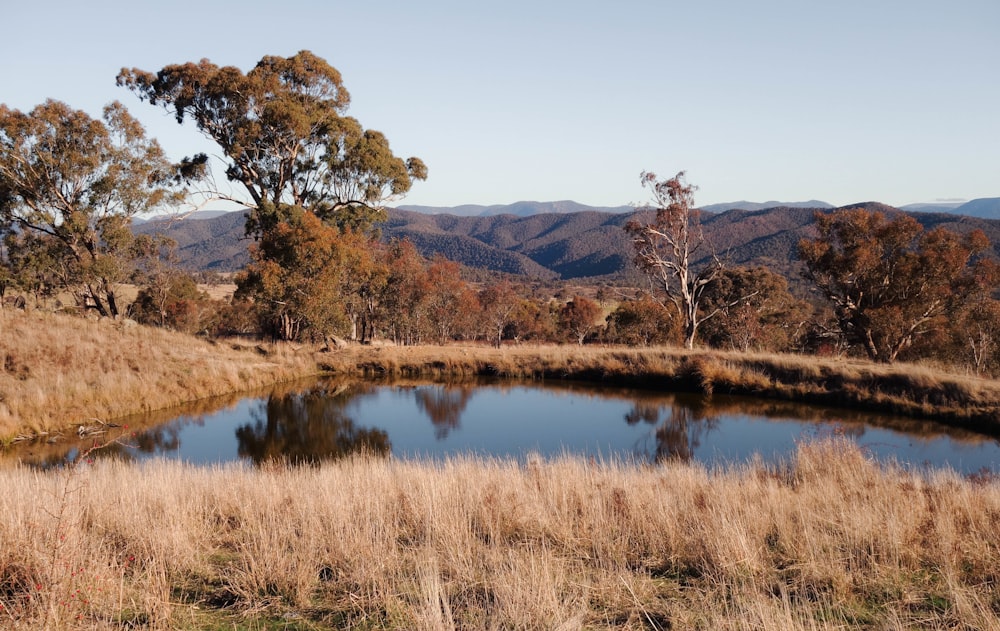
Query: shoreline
point(902, 389)
point(127, 370)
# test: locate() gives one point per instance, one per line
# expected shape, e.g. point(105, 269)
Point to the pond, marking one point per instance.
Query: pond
point(329, 419)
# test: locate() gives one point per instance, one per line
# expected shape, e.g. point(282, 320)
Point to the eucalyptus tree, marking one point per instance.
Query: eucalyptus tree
point(287, 141)
point(284, 133)
point(757, 311)
point(578, 317)
point(69, 187)
point(500, 303)
point(668, 247)
point(890, 282)
point(642, 321)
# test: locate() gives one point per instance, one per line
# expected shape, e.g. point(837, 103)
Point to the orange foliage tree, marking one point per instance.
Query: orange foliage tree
point(890, 282)
point(579, 317)
point(296, 276)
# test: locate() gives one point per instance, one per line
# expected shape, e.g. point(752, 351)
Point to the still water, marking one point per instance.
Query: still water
point(330, 419)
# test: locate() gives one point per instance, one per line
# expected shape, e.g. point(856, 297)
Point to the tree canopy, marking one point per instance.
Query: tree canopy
point(283, 129)
point(69, 185)
point(891, 283)
point(296, 275)
point(757, 312)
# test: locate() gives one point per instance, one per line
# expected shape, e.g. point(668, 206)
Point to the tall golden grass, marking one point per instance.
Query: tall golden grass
point(830, 540)
point(57, 370)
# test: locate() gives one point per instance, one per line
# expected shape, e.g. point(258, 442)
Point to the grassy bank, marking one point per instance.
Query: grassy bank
point(903, 389)
point(59, 371)
point(830, 540)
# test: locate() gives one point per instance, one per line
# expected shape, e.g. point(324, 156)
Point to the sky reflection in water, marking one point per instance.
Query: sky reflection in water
point(329, 420)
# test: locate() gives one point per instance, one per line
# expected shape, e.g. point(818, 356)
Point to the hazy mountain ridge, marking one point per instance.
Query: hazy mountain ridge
point(931, 207)
point(745, 205)
point(986, 207)
point(215, 243)
point(521, 209)
point(983, 207)
point(587, 243)
point(552, 245)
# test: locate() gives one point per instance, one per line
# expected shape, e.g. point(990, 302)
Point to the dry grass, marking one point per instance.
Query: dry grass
point(221, 291)
point(905, 389)
point(57, 371)
point(831, 540)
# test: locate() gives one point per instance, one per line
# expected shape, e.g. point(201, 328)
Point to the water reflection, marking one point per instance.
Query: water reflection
point(319, 421)
point(444, 406)
point(307, 427)
point(130, 438)
point(678, 428)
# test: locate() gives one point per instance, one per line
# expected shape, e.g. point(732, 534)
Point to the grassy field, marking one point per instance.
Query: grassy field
point(828, 540)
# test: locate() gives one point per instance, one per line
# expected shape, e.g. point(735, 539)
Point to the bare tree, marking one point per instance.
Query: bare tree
point(667, 249)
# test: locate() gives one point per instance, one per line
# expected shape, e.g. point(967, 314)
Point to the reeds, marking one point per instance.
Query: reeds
point(830, 539)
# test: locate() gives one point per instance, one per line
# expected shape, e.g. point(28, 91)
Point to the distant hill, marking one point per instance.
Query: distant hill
point(584, 244)
point(214, 243)
point(521, 209)
point(931, 207)
point(986, 207)
point(526, 209)
point(588, 243)
point(745, 205)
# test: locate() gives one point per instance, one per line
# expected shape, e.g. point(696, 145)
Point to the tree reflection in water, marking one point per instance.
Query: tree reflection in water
point(444, 405)
point(309, 423)
point(307, 427)
point(680, 427)
point(118, 444)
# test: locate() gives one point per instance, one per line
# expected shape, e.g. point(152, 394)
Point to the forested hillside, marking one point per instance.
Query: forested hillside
point(551, 246)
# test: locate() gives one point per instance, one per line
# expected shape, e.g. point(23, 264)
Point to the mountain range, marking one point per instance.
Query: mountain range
point(521, 209)
point(987, 208)
point(573, 244)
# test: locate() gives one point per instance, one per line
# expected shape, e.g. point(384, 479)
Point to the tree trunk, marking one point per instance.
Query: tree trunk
point(690, 325)
point(354, 327)
point(288, 327)
point(112, 304)
point(872, 349)
point(689, 334)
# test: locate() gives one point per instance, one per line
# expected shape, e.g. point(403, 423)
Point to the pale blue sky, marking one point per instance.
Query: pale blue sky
point(890, 100)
